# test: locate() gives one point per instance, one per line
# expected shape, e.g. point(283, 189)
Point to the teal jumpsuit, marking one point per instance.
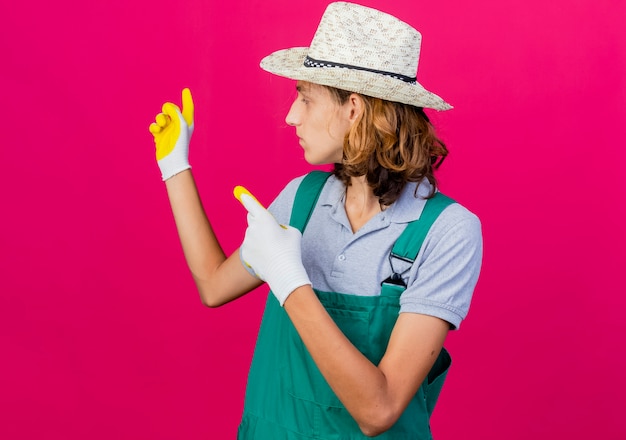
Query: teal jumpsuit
point(287, 397)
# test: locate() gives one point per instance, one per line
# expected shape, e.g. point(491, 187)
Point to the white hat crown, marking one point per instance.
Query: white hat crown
point(362, 50)
point(365, 38)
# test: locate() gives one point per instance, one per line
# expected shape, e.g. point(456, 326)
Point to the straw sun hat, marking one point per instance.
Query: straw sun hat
point(360, 50)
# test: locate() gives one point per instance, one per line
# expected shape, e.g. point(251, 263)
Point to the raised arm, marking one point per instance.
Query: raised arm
point(219, 279)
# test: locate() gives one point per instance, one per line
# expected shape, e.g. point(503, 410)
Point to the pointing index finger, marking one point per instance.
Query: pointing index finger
point(253, 206)
point(247, 199)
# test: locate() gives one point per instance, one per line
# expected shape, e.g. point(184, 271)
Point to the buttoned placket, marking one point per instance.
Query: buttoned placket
point(342, 258)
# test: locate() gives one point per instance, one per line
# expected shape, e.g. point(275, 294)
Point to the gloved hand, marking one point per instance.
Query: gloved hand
point(172, 132)
point(271, 250)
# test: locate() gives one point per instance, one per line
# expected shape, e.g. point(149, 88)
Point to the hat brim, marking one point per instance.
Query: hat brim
point(289, 63)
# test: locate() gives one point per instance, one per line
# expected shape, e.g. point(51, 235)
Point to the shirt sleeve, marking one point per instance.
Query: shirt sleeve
point(445, 273)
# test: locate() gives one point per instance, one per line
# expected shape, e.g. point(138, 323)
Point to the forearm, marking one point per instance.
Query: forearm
point(198, 240)
point(201, 248)
point(359, 384)
point(375, 395)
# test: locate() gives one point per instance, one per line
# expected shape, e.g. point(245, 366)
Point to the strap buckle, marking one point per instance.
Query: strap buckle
point(396, 277)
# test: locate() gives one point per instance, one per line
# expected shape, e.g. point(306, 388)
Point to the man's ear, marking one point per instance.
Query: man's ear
point(355, 107)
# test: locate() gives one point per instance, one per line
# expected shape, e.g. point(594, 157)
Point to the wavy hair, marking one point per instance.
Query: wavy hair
point(391, 144)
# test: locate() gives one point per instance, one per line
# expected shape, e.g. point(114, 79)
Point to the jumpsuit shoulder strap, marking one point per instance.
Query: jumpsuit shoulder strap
point(306, 197)
point(408, 245)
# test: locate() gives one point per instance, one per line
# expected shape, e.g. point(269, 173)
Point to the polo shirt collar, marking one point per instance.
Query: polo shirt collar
point(406, 208)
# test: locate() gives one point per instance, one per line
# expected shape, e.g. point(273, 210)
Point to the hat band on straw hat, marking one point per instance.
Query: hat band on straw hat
point(310, 62)
point(360, 50)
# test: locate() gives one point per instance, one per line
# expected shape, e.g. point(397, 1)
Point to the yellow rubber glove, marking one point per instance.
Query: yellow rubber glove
point(271, 249)
point(172, 130)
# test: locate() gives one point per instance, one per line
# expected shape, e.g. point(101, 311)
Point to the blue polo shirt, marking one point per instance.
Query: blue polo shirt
point(440, 281)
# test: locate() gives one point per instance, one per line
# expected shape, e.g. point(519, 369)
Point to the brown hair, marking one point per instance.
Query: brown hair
point(391, 144)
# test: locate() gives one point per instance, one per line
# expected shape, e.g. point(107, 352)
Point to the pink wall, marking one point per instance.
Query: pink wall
point(101, 332)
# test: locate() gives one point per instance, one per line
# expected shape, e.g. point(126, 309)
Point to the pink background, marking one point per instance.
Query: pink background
point(101, 332)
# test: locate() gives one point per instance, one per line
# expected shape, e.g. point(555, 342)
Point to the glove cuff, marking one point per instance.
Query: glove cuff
point(289, 280)
point(172, 165)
